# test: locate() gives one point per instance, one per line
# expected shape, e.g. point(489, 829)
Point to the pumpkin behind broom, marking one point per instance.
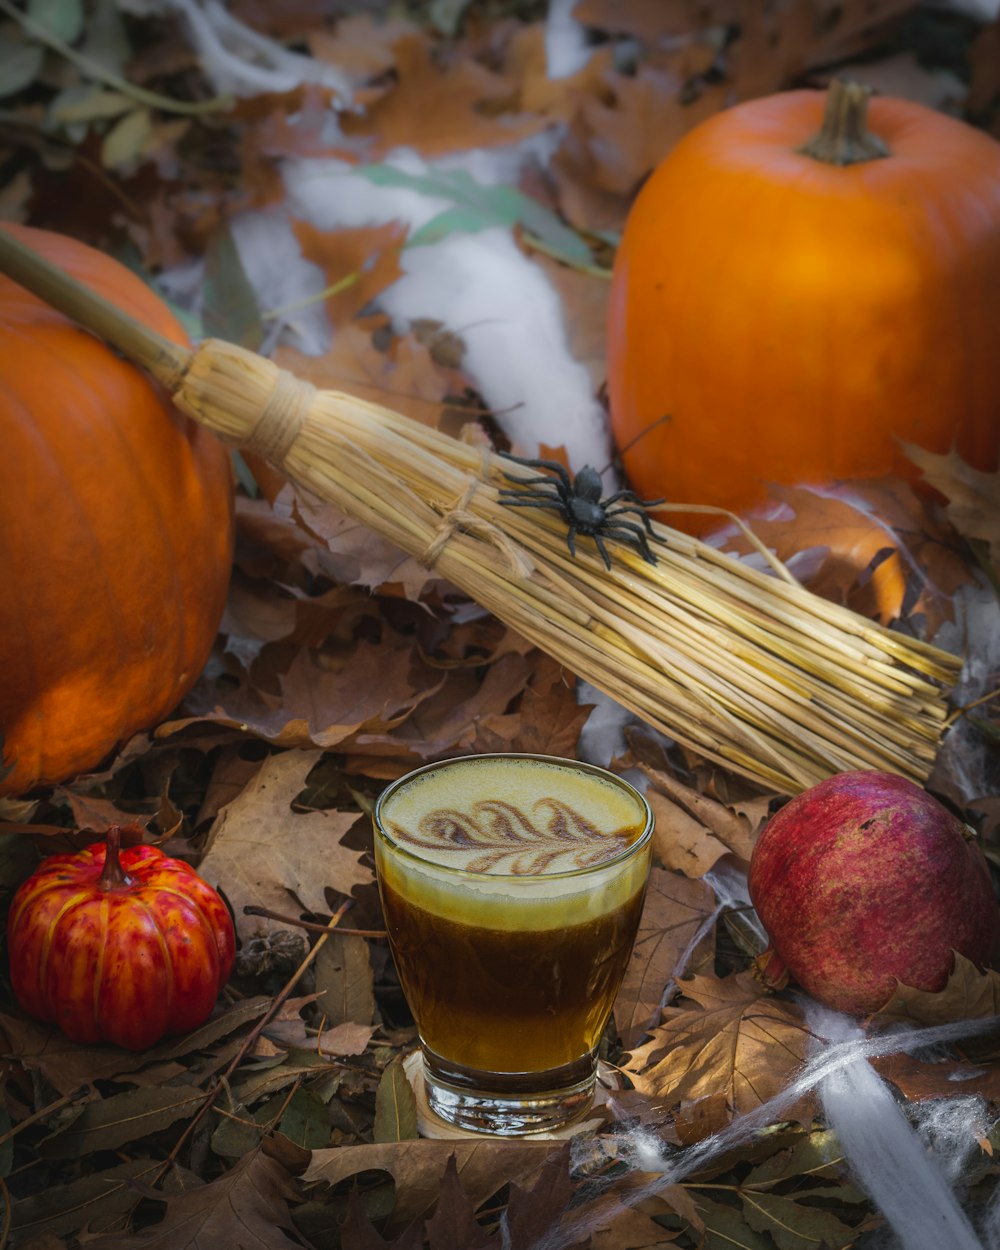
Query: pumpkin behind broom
point(747, 668)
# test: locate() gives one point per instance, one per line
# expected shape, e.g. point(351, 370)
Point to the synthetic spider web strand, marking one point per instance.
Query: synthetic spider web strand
point(887, 1158)
point(646, 1153)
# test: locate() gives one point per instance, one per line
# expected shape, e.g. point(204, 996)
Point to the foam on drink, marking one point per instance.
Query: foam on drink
point(520, 831)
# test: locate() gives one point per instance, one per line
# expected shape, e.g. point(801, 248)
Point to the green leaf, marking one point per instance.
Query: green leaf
point(20, 64)
point(559, 239)
point(306, 1120)
point(108, 1123)
point(458, 220)
point(395, 1105)
point(86, 103)
point(62, 18)
point(127, 138)
point(726, 1229)
point(794, 1226)
point(485, 206)
point(230, 308)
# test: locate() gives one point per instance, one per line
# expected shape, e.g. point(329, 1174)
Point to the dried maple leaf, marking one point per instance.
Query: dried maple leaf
point(439, 108)
point(674, 912)
point(367, 257)
point(358, 1233)
point(551, 719)
point(406, 378)
point(729, 1044)
point(970, 994)
point(263, 853)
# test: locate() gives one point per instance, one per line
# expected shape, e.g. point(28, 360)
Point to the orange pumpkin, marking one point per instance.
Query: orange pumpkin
point(793, 317)
point(116, 531)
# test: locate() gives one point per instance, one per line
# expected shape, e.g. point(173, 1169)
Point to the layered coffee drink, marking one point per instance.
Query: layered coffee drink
point(512, 887)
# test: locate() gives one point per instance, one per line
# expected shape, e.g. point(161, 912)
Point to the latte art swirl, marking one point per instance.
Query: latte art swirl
point(498, 836)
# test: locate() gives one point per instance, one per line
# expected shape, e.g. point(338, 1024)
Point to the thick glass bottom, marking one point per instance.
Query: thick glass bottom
point(509, 1104)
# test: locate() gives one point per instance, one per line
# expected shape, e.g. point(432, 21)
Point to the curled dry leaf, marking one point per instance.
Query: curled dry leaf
point(694, 831)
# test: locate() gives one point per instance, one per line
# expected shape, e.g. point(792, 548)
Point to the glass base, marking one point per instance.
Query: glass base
point(531, 1104)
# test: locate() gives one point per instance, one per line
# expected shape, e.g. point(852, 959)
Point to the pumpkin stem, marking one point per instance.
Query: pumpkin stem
point(113, 875)
point(844, 138)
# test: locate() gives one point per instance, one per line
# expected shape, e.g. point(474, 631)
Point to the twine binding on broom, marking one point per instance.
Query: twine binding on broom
point(748, 669)
point(281, 419)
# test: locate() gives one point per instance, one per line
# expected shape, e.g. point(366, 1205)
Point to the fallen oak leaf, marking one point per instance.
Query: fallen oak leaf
point(358, 1232)
point(973, 506)
point(266, 855)
point(417, 1167)
point(246, 1207)
point(362, 262)
point(454, 1222)
point(439, 108)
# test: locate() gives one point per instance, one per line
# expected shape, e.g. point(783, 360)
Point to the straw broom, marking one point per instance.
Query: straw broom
point(747, 668)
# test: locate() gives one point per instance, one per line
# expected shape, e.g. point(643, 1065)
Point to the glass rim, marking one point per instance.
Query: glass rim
point(505, 877)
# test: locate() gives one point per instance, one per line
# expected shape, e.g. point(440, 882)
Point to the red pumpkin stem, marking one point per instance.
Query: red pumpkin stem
point(844, 138)
point(113, 875)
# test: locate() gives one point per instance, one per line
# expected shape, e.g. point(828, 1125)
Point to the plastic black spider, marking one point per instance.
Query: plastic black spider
point(578, 500)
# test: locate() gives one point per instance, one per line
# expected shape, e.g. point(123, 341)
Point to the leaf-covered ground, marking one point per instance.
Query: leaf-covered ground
point(287, 1120)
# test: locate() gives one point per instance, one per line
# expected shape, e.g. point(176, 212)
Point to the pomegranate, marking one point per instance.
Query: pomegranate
point(866, 879)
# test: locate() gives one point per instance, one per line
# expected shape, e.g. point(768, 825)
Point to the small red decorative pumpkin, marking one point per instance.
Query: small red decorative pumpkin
point(122, 946)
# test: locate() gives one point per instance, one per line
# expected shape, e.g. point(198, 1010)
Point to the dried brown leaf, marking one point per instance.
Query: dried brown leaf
point(344, 981)
point(263, 853)
point(970, 994)
point(68, 1066)
point(367, 257)
point(417, 1167)
point(877, 539)
point(726, 1045)
point(453, 1222)
point(973, 497)
point(674, 911)
point(436, 107)
point(246, 1207)
point(693, 831)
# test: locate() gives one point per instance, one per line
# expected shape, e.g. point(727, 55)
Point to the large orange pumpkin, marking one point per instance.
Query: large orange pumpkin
point(115, 531)
point(792, 317)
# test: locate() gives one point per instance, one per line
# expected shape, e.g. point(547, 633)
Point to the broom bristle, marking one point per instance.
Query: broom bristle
point(749, 669)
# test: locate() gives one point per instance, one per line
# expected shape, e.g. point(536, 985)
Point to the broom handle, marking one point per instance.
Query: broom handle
point(167, 362)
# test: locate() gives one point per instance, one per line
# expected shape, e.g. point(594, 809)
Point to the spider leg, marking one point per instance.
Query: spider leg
point(631, 496)
point(553, 466)
point(571, 540)
point(622, 509)
point(516, 493)
point(534, 481)
point(603, 550)
point(529, 501)
point(633, 536)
